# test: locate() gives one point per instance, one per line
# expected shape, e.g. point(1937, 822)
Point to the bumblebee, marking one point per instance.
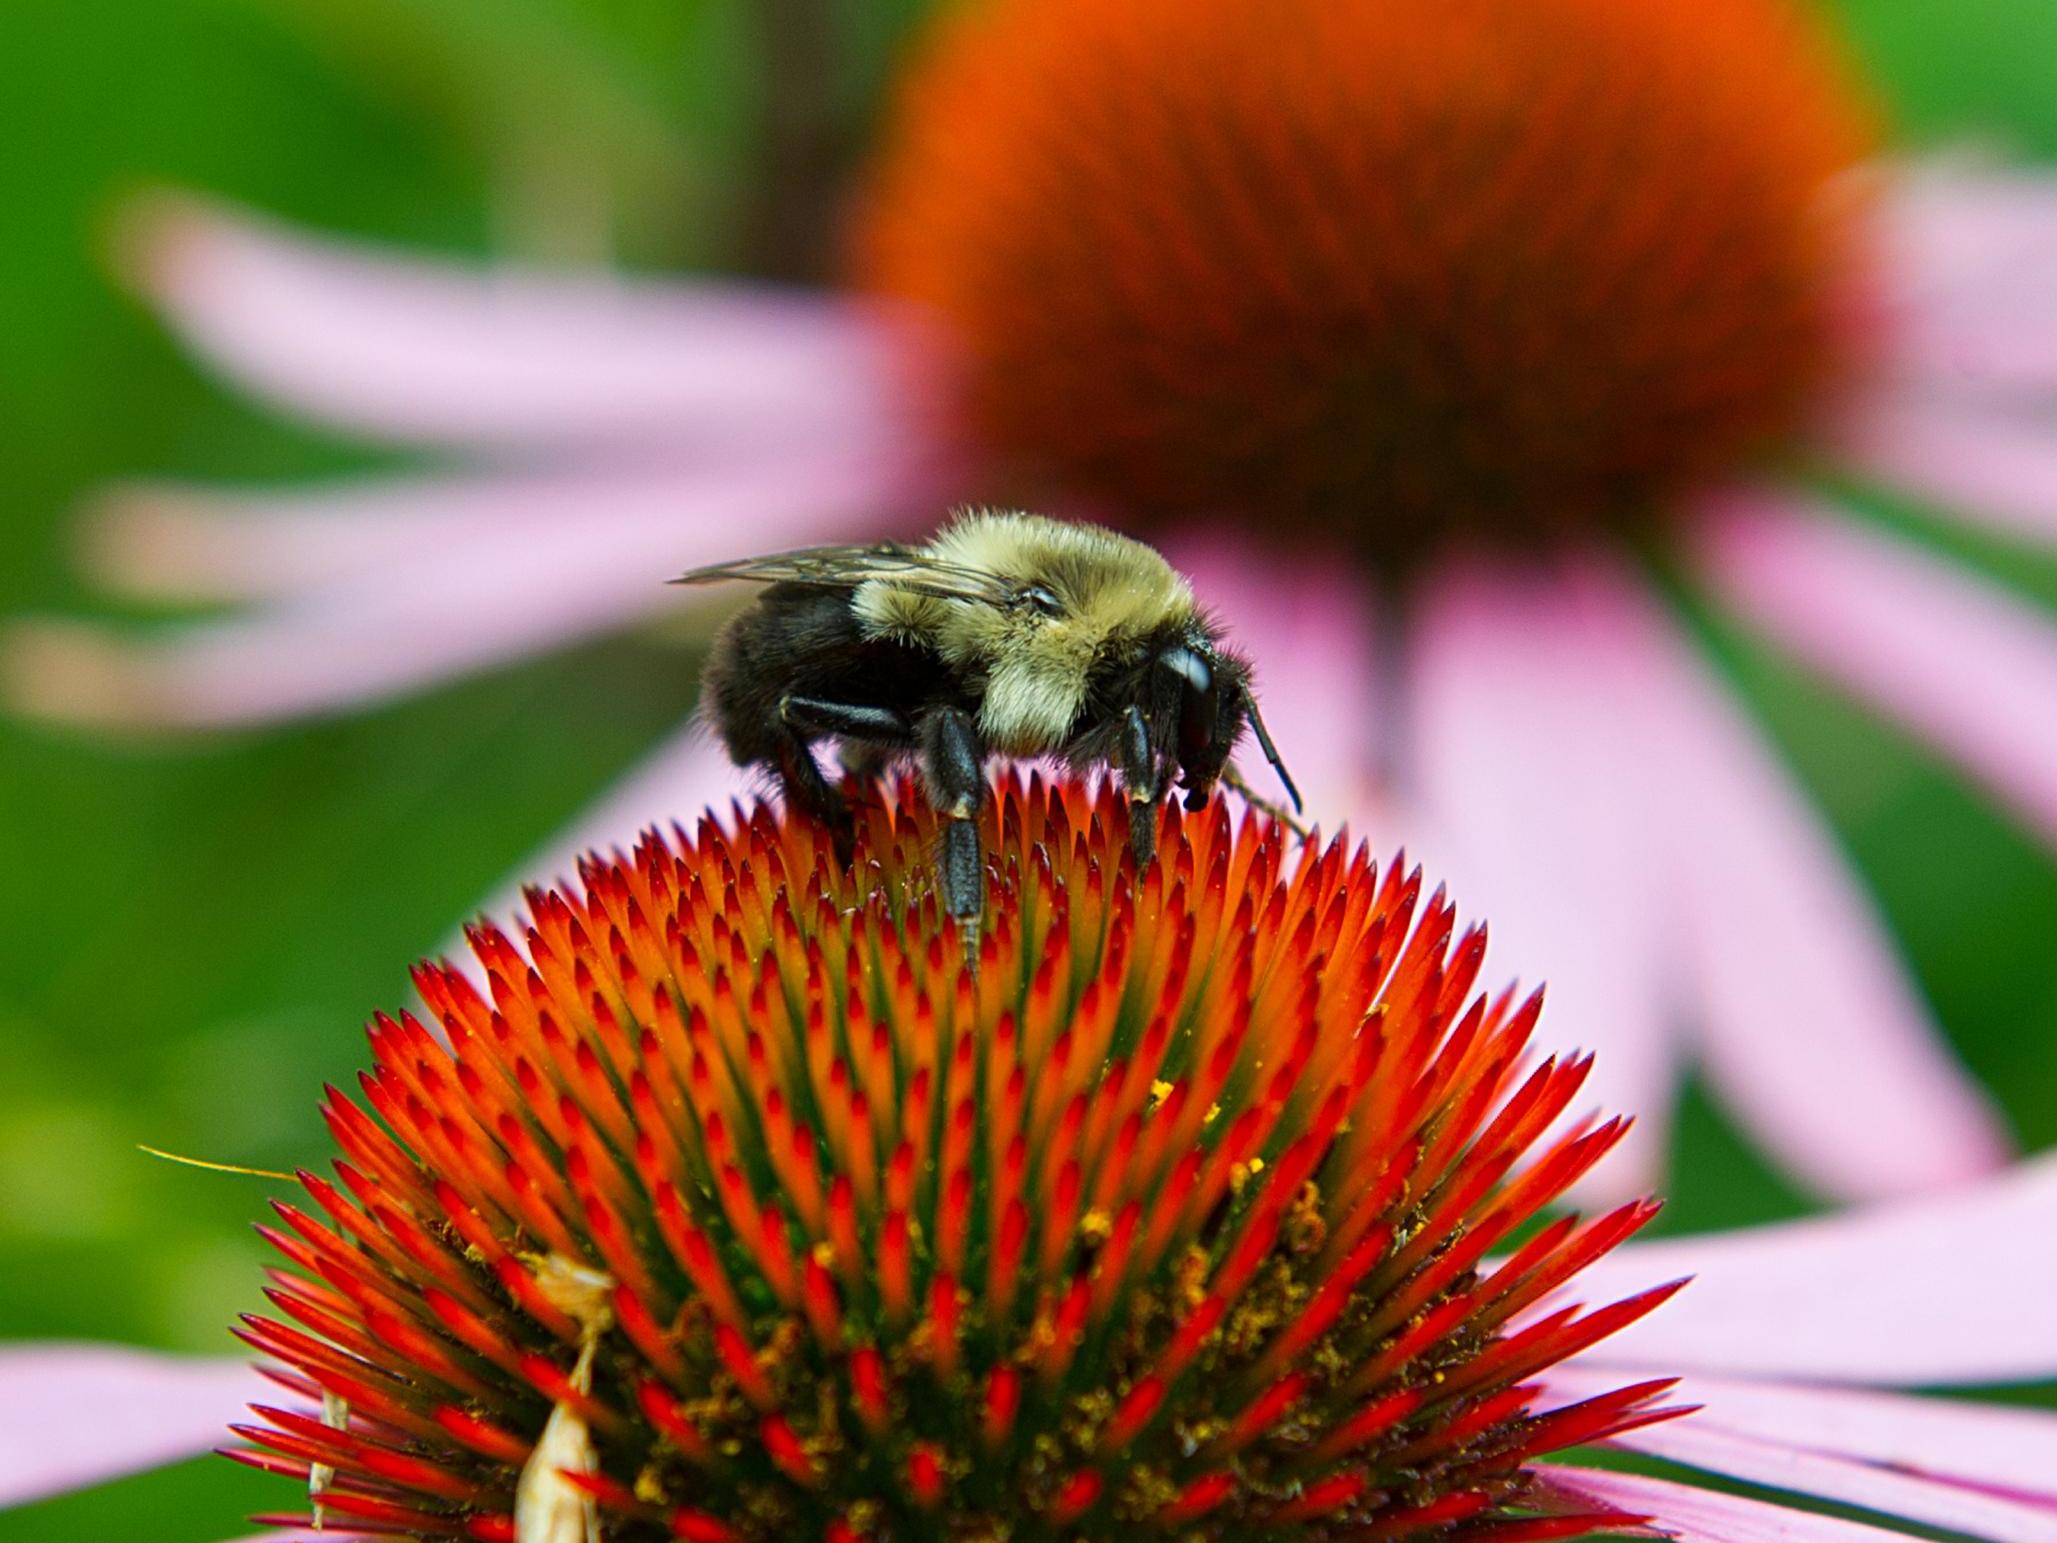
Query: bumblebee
point(1007, 634)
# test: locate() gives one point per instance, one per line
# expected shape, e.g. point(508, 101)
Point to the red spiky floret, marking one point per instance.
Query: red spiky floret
point(1179, 1214)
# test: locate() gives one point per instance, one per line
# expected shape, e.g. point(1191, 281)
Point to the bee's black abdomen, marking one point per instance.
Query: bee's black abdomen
point(756, 658)
point(803, 642)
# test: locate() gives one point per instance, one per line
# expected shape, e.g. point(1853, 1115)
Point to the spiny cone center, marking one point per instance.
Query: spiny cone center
point(1403, 271)
point(735, 1208)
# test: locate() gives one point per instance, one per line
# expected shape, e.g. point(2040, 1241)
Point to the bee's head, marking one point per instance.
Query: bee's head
point(1206, 702)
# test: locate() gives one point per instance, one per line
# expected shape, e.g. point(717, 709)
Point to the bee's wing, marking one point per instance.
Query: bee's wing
point(846, 567)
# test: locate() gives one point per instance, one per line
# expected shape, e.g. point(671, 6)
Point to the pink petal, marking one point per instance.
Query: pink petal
point(1949, 1288)
point(1970, 278)
point(1811, 1029)
point(1957, 660)
point(1528, 751)
point(199, 545)
point(183, 543)
point(1925, 1459)
point(1999, 1448)
point(1694, 1515)
point(1307, 626)
point(687, 775)
point(583, 554)
point(1978, 466)
point(72, 1416)
point(1813, 1474)
point(1968, 226)
point(448, 352)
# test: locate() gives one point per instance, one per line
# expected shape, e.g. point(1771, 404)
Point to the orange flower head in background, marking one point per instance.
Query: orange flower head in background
point(1404, 270)
point(732, 1207)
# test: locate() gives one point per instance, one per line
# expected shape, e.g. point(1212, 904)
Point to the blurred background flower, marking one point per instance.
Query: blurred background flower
point(223, 884)
point(1533, 313)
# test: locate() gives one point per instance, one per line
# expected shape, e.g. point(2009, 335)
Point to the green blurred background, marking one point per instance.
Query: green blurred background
point(191, 934)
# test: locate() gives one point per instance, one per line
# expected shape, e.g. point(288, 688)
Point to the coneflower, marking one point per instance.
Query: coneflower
point(1409, 273)
point(733, 1207)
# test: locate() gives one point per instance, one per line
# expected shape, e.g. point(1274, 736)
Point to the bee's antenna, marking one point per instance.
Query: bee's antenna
point(1271, 751)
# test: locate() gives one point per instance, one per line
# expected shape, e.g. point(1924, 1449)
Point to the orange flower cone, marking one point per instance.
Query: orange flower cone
point(734, 1207)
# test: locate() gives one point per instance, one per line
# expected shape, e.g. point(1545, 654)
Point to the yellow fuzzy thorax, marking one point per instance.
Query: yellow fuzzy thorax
point(1112, 595)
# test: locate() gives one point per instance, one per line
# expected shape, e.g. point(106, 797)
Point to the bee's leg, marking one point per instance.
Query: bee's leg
point(810, 792)
point(1234, 779)
point(814, 717)
point(862, 761)
point(1139, 776)
point(869, 734)
point(953, 762)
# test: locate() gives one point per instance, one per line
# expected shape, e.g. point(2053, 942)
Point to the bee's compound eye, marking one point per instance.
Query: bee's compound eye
point(1040, 599)
point(1190, 668)
point(1199, 717)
